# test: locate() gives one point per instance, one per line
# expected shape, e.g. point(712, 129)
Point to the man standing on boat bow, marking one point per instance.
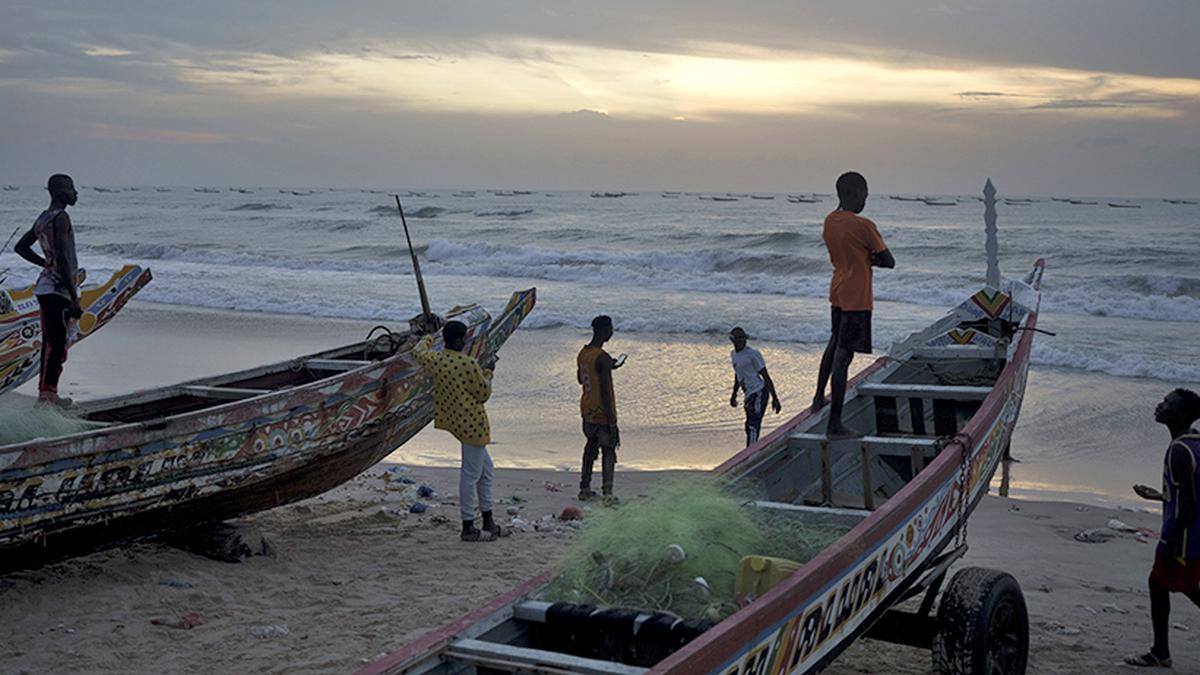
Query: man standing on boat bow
point(855, 246)
point(1177, 559)
point(58, 285)
point(460, 388)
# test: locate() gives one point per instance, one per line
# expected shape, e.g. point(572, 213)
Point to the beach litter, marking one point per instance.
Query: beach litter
point(513, 510)
point(267, 632)
point(418, 507)
point(1095, 535)
point(185, 621)
point(552, 487)
point(571, 513)
point(426, 492)
point(1179, 626)
point(173, 582)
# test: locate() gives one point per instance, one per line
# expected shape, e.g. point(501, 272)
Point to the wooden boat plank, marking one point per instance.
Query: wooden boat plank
point(925, 391)
point(480, 652)
point(224, 392)
point(335, 364)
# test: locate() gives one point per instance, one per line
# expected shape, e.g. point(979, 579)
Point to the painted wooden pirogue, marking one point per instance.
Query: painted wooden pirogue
point(224, 446)
point(21, 328)
point(941, 407)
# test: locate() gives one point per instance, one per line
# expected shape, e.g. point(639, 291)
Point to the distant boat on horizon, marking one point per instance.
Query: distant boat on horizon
point(935, 202)
point(1118, 205)
point(762, 196)
point(1083, 202)
point(803, 200)
point(1169, 201)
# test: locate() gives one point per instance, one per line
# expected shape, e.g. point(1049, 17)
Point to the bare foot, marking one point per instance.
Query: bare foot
point(840, 433)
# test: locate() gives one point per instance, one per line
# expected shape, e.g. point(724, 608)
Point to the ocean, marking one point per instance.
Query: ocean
point(676, 271)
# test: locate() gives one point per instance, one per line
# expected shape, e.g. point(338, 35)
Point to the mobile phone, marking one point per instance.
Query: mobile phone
point(620, 361)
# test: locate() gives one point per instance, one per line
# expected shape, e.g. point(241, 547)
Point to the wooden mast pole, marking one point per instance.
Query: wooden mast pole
point(425, 311)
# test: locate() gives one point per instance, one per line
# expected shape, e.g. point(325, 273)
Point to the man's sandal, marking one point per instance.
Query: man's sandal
point(1147, 660)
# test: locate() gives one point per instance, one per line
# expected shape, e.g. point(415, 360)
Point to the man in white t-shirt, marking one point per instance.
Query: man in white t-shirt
point(750, 374)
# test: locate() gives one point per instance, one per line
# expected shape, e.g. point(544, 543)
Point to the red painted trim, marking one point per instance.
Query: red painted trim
point(436, 640)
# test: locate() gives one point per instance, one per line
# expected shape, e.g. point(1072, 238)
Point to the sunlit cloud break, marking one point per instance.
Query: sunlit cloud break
point(708, 81)
point(91, 50)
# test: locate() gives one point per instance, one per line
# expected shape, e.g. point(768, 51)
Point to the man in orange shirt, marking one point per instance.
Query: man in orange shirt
point(854, 248)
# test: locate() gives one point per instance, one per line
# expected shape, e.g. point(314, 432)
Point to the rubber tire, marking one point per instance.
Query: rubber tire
point(977, 602)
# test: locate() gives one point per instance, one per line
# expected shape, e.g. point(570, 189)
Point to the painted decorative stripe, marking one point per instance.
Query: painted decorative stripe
point(993, 303)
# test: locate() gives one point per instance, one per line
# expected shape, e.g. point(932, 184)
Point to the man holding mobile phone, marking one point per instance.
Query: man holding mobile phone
point(598, 406)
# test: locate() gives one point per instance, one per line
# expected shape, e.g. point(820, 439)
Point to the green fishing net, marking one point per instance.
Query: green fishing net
point(21, 421)
point(678, 550)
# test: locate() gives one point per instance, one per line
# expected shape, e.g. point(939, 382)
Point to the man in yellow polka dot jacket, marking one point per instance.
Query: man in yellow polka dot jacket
point(460, 388)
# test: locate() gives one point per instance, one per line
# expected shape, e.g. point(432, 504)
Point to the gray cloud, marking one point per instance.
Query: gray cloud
point(131, 119)
point(1103, 142)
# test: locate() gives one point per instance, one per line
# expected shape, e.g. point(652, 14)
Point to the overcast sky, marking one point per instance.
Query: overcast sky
point(1087, 97)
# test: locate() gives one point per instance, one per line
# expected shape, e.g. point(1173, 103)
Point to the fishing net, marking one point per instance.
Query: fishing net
point(678, 550)
point(21, 421)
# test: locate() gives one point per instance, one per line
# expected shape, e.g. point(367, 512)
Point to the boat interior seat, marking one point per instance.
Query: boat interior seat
point(829, 516)
point(859, 473)
point(900, 407)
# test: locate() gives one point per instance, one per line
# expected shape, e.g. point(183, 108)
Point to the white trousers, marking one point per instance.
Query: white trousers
point(475, 479)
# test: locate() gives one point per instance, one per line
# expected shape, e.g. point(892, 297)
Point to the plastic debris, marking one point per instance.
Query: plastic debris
point(267, 632)
point(1179, 626)
point(418, 507)
point(519, 524)
point(425, 492)
point(513, 510)
point(173, 582)
point(1119, 526)
point(676, 554)
point(1114, 608)
point(1095, 535)
point(571, 513)
point(186, 621)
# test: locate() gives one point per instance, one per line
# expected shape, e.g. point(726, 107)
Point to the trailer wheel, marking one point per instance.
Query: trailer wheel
point(982, 625)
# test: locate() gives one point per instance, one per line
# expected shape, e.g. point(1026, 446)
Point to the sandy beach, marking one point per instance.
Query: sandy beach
point(354, 575)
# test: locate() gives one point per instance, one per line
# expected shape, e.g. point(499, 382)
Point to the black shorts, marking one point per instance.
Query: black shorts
point(851, 330)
